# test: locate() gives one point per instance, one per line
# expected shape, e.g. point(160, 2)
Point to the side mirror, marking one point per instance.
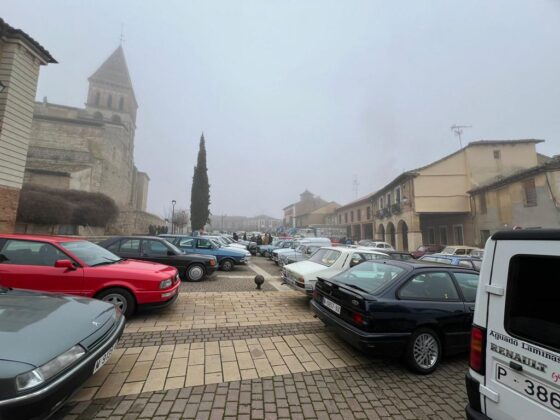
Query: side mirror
point(65, 264)
point(354, 262)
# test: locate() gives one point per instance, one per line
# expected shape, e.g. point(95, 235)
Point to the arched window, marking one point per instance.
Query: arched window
point(116, 119)
point(97, 97)
point(98, 116)
point(121, 103)
point(110, 101)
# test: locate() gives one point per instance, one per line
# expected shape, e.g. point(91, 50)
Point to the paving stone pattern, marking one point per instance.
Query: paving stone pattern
point(380, 389)
point(255, 354)
point(223, 283)
point(157, 338)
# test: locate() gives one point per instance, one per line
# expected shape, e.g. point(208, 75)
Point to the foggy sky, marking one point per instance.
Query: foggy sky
point(306, 94)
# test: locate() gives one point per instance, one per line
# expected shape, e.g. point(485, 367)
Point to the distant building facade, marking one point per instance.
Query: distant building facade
point(432, 204)
point(92, 148)
point(260, 223)
point(297, 214)
point(20, 59)
point(528, 199)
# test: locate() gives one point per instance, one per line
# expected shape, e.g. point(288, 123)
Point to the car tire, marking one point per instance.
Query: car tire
point(121, 298)
point(195, 272)
point(227, 265)
point(424, 351)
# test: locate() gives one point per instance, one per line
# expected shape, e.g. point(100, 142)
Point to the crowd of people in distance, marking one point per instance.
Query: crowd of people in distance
point(258, 239)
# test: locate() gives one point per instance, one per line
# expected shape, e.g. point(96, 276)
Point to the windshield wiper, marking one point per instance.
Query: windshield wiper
point(353, 286)
point(107, 262)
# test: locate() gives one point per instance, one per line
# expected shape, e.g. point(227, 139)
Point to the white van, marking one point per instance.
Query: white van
point(515, 340)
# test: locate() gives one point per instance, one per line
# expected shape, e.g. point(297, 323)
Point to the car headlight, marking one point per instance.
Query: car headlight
point(165, 284)
point(48, 370)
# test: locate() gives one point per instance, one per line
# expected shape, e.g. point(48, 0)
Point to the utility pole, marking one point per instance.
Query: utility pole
point(355, 185)
point(458, 131)
point(173, 202)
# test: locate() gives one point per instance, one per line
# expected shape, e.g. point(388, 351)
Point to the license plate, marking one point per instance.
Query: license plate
point(103, 359)
point(529, 387)
point(331, 305)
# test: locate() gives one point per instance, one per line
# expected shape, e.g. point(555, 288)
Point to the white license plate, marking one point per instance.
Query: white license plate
point(529, 387)
point(331, 305)
point(103, 359)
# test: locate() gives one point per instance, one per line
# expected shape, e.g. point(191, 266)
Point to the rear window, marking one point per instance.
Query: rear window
point(370, 276)
point(533, 295)
point(326, 257)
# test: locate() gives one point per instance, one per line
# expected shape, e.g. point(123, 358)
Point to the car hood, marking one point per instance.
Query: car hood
point(310, 269)
point(36, 327)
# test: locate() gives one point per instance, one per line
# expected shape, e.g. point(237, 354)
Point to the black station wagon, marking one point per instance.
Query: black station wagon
point(411, 309)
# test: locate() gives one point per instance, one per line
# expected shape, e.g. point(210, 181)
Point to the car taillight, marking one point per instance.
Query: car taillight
point(357, 318)
point(212, 263)
point(315, 294)
point(478, 349)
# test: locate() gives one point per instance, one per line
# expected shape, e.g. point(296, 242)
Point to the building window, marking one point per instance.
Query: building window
point(389, 200)
point(339, 219)
point(97, 97)
point(458, 234)
point(530, 193)
point(484, 235)
point(368, 213)
point(398, 195)
point(352, 216)
point(381, 204)
point(497, 154)
point(110, 101)
point(345, 217)
point(121, 103)
point(359, 215)
point(482, 203)
point(431, 236)
point(443, 235)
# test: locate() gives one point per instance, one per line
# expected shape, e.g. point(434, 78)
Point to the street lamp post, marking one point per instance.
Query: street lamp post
point(173, 202)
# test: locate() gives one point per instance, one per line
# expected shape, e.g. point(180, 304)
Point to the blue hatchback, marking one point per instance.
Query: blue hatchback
point(227, 257)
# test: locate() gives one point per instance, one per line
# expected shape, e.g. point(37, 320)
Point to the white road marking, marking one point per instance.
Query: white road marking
point(275, 281)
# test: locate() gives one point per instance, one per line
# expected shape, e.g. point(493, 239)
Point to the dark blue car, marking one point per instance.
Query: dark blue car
point(227, 257)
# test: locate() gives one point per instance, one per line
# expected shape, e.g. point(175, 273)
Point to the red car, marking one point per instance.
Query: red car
point(426, 250)
point(78, 267)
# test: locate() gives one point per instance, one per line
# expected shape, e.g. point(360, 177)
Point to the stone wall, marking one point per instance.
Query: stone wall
point(9, 199)
point(134, 222)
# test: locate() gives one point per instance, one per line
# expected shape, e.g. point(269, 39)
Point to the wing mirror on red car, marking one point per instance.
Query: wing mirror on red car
point(65, 264)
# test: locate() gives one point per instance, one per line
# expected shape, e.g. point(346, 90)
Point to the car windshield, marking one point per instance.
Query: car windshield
point(90, 253)
point(326, 257)
point(370, 276)
point(227, 240)
point(448, 250)
point(174, 248)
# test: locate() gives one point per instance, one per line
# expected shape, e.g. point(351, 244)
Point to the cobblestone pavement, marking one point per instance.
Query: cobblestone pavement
point(255, 354)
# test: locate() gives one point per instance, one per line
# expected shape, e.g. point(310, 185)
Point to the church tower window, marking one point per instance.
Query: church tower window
point(110, 101)
point(121, 103)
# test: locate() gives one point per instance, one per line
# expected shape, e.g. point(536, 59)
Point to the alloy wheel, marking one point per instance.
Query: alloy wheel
point(118, 300)
point(196, 273)
point(425, 351)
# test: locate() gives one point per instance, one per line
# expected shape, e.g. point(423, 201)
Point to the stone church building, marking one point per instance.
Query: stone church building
point(92, 148)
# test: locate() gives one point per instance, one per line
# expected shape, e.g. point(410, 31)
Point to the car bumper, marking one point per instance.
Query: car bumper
point(46, 400)
point(161, 304)
point(473, 409)
point(385, 343)
point(157, 297)
point(308, 289)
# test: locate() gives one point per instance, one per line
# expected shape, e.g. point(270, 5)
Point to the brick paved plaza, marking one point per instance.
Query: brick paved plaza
point(227, 350)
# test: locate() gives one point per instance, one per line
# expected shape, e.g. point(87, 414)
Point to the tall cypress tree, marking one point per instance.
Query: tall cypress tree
point(200, 191)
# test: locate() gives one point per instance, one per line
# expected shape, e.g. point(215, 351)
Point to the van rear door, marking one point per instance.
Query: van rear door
point(523, 331)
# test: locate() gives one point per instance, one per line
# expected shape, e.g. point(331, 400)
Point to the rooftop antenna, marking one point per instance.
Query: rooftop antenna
point(355, 185)
point(121, 39)
point(458, 130)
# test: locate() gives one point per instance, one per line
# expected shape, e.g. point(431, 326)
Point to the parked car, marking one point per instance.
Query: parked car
point(398, 255)
point(397, 308)
point(191, 267)
point(514, 365)
point(283, 244)
point(477, 253)
point(227, 257)
point(302, 252)
point(225, 243)
point(462, 260)
point(426, 250)
point(290, 251)
point(376, 245)
point(78, 267)
point(325, 262)
point(264, 250)
point(459, 250)
point(51, 345)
